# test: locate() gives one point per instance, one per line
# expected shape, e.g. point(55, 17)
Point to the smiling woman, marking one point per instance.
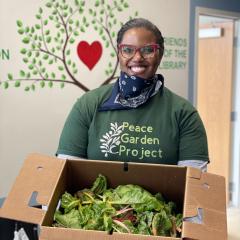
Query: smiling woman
point(137, 118)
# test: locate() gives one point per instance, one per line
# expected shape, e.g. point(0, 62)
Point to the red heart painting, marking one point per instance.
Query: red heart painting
point(89, 54)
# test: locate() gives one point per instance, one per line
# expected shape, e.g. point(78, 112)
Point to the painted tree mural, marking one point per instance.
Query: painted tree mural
point(50, 43)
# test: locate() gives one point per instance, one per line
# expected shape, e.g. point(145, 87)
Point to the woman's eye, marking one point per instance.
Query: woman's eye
point(147, 49)
point(128, 50)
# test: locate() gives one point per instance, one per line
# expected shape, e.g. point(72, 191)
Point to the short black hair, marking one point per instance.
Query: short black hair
point(141, 23)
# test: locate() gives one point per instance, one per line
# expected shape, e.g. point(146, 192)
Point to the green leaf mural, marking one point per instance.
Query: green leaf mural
point(48, 46)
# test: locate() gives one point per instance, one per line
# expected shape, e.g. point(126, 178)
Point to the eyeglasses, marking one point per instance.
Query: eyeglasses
point(129, 51)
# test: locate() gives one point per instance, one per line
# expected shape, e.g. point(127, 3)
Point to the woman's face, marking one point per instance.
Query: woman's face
point(137, 65)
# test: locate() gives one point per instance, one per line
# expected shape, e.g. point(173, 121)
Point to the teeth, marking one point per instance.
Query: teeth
point(138, 69)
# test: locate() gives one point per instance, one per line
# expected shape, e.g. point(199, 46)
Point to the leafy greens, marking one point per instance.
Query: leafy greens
point(126, 209)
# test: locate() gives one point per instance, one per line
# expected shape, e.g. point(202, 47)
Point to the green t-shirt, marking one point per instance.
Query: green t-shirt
point(164, 130)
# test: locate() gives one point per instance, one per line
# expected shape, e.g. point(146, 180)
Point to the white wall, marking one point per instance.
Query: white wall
point(32, 121)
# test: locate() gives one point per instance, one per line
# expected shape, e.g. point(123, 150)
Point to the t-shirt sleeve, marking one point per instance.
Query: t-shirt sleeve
point(192, 135)
point(74, 137)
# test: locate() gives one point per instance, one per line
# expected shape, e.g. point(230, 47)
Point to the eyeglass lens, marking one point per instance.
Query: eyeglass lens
point(130, 51)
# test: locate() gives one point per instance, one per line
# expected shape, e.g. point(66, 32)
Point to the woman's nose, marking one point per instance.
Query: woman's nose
point(137, 56)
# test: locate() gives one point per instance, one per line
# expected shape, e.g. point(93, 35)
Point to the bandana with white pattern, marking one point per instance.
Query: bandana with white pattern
point(131, 92)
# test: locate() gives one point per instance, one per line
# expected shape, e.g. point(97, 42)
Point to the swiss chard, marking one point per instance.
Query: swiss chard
point(127, 208)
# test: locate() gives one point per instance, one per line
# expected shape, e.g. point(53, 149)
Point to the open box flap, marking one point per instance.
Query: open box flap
point(205, 206)
point(38, 177)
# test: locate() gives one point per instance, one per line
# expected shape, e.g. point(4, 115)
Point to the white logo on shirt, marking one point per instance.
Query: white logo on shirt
point(111, 139)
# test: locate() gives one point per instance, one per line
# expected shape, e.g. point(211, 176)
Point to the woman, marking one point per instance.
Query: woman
point(136, 119)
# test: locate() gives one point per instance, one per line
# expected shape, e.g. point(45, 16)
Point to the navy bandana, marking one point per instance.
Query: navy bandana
point(131, 91)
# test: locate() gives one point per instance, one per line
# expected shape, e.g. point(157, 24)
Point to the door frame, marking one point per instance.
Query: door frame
point(235, 151)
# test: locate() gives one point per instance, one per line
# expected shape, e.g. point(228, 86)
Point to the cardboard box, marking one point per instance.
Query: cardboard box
point(201, 196)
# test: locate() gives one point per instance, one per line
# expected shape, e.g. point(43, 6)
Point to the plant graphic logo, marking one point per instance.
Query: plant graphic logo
point(111, 139)
point(51, 43)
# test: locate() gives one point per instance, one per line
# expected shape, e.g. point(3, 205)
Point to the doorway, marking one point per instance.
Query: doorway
point(216, 81)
